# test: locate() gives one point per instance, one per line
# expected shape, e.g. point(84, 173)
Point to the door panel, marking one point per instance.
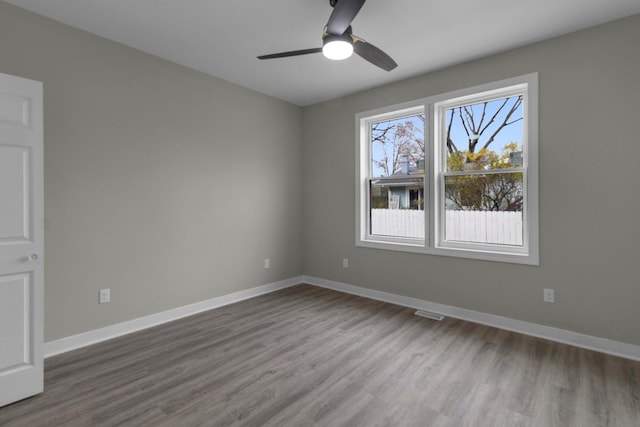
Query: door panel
point(21, 239)
point(15, 224)
point(16, 306)
point(14, 110)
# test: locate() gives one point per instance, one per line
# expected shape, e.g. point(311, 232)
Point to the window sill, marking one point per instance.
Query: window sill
point(420, 248)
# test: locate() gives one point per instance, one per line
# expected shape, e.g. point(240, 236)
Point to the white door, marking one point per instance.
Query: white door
point(21, 239)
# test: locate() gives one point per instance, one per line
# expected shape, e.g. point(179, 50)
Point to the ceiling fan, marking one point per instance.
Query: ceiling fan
point(338, 42)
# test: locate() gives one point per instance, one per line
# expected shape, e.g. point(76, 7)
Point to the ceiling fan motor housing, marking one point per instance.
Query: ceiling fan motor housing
point(346, 36)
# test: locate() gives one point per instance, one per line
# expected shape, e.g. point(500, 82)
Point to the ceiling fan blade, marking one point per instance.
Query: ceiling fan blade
point(373, 54)
point(291, 53)
point(343, 13)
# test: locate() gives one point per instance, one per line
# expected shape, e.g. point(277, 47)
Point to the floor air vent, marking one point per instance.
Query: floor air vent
point(429, 315)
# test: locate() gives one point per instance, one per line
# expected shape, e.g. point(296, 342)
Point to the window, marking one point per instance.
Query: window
point(396, 147)
point(453, 174)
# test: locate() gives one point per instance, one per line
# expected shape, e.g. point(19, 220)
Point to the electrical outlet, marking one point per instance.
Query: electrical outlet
point(105, 296)
point(548, 295)
point(345, 262)
point(267, 263)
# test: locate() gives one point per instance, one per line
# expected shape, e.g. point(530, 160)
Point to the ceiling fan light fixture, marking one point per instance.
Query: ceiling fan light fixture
point(337, 48)
point(338, 41)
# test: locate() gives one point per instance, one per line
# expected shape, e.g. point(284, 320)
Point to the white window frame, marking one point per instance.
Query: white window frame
point(435, 168)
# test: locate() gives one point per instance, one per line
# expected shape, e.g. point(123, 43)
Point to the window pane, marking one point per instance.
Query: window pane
point(397, 146)
point(484, 208)
point(485, 136)
point(397, 207)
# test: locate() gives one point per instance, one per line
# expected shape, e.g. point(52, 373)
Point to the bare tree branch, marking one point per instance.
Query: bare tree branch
point(505, 122)
point(470, 119)
point(380, 134)
point(464, 124)
point(451, 146)
point(484, 112)
point(493, 118)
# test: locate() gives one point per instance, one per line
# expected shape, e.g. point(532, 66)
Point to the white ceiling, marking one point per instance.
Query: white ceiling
point(223, 38)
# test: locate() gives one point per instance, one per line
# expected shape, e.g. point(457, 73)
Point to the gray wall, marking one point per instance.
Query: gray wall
point(589, 190)
point(166, 185)
point(171, 187)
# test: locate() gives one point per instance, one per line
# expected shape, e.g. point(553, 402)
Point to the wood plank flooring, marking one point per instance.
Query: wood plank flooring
point(307, 356)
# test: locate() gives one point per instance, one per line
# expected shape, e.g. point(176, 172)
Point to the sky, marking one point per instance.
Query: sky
point(511, 133)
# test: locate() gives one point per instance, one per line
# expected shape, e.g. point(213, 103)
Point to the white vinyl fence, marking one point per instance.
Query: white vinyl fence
point(502, 228)
point(397, 222)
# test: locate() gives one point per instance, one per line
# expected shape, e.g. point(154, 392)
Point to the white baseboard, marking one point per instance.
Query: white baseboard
point(63, 345)
point(628, 351)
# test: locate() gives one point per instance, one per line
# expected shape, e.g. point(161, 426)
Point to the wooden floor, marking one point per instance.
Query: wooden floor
point(309, 356)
